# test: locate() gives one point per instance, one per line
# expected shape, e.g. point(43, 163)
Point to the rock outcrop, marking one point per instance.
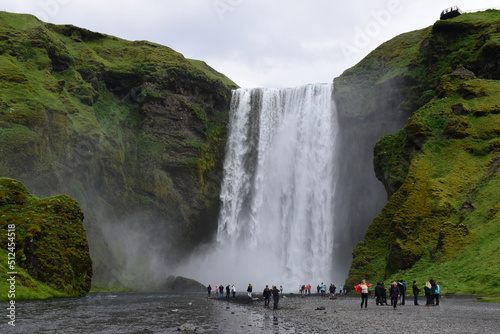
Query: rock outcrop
point(49, 238)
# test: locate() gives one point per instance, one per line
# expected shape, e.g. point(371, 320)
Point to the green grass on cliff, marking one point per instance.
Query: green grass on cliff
point(442, 170)
point(25, 286)
point(443, 223)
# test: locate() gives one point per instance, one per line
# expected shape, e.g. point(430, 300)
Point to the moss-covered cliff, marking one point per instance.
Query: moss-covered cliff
point(48, 239)
point(441, 169)
point(132, 130)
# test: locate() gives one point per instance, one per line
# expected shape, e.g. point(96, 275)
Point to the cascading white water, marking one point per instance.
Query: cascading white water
point(277, 215)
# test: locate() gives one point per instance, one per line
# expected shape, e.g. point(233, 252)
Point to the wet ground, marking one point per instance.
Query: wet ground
point(194, 313)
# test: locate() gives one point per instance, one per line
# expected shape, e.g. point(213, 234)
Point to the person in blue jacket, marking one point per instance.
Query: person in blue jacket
point(437, 290)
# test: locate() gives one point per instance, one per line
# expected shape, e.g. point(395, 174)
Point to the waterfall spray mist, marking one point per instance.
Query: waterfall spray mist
point(277, 220)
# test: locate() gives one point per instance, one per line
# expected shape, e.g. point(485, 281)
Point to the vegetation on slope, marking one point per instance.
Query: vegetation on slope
point(49, 242)
point(131, 129)
point(441, 170)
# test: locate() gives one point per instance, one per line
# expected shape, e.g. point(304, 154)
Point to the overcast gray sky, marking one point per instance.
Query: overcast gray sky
point(256, 43)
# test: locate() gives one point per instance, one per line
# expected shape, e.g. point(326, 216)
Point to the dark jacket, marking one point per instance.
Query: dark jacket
point(266, 293)
point(402, 288)
point(416, 289)
point(394, 291)
point(379, 290)
point(276, 293)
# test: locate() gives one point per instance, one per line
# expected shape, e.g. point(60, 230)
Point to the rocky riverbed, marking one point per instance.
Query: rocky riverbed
point(315, 314)
point(128, 312)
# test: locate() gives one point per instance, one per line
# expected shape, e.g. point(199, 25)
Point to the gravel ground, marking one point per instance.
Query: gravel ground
point(163, 313)
point(455, 314)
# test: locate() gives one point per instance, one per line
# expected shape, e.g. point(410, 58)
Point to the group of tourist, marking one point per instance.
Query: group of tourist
point(397, 293)
point(267, 294)
point(219, 291)
point(321, 289)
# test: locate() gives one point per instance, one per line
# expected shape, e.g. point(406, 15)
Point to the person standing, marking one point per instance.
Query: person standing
point(267, 296)
point(379, 294)
point(437, 291)
point(384, 294)
point(228, 290)
point(416, 291)
point(281, 290)
point(322, 289)
point(433, 291)
point(276, 297)
point(216, 290)
point(394, 294)
point(427, 291)
point(221, 290)
point(249, 290)
point(402, 291)
point(233, 291)
point(209, 290)
point(364, 293)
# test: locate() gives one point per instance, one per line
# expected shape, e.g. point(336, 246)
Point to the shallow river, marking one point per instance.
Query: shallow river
point(139, 313)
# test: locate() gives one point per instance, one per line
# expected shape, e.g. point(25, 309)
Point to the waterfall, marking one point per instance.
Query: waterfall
point(277, 218)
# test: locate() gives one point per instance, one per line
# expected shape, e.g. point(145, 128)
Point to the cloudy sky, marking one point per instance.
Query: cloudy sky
point(257, 43)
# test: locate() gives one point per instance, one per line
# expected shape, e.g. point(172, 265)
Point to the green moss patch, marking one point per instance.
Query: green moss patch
point(49, 242)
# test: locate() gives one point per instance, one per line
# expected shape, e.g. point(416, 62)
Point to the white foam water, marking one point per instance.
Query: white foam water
point(277, 219)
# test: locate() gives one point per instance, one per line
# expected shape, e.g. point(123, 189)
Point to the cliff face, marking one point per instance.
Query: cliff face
point(440, 170)
point(48, 238)
point(132, 130)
